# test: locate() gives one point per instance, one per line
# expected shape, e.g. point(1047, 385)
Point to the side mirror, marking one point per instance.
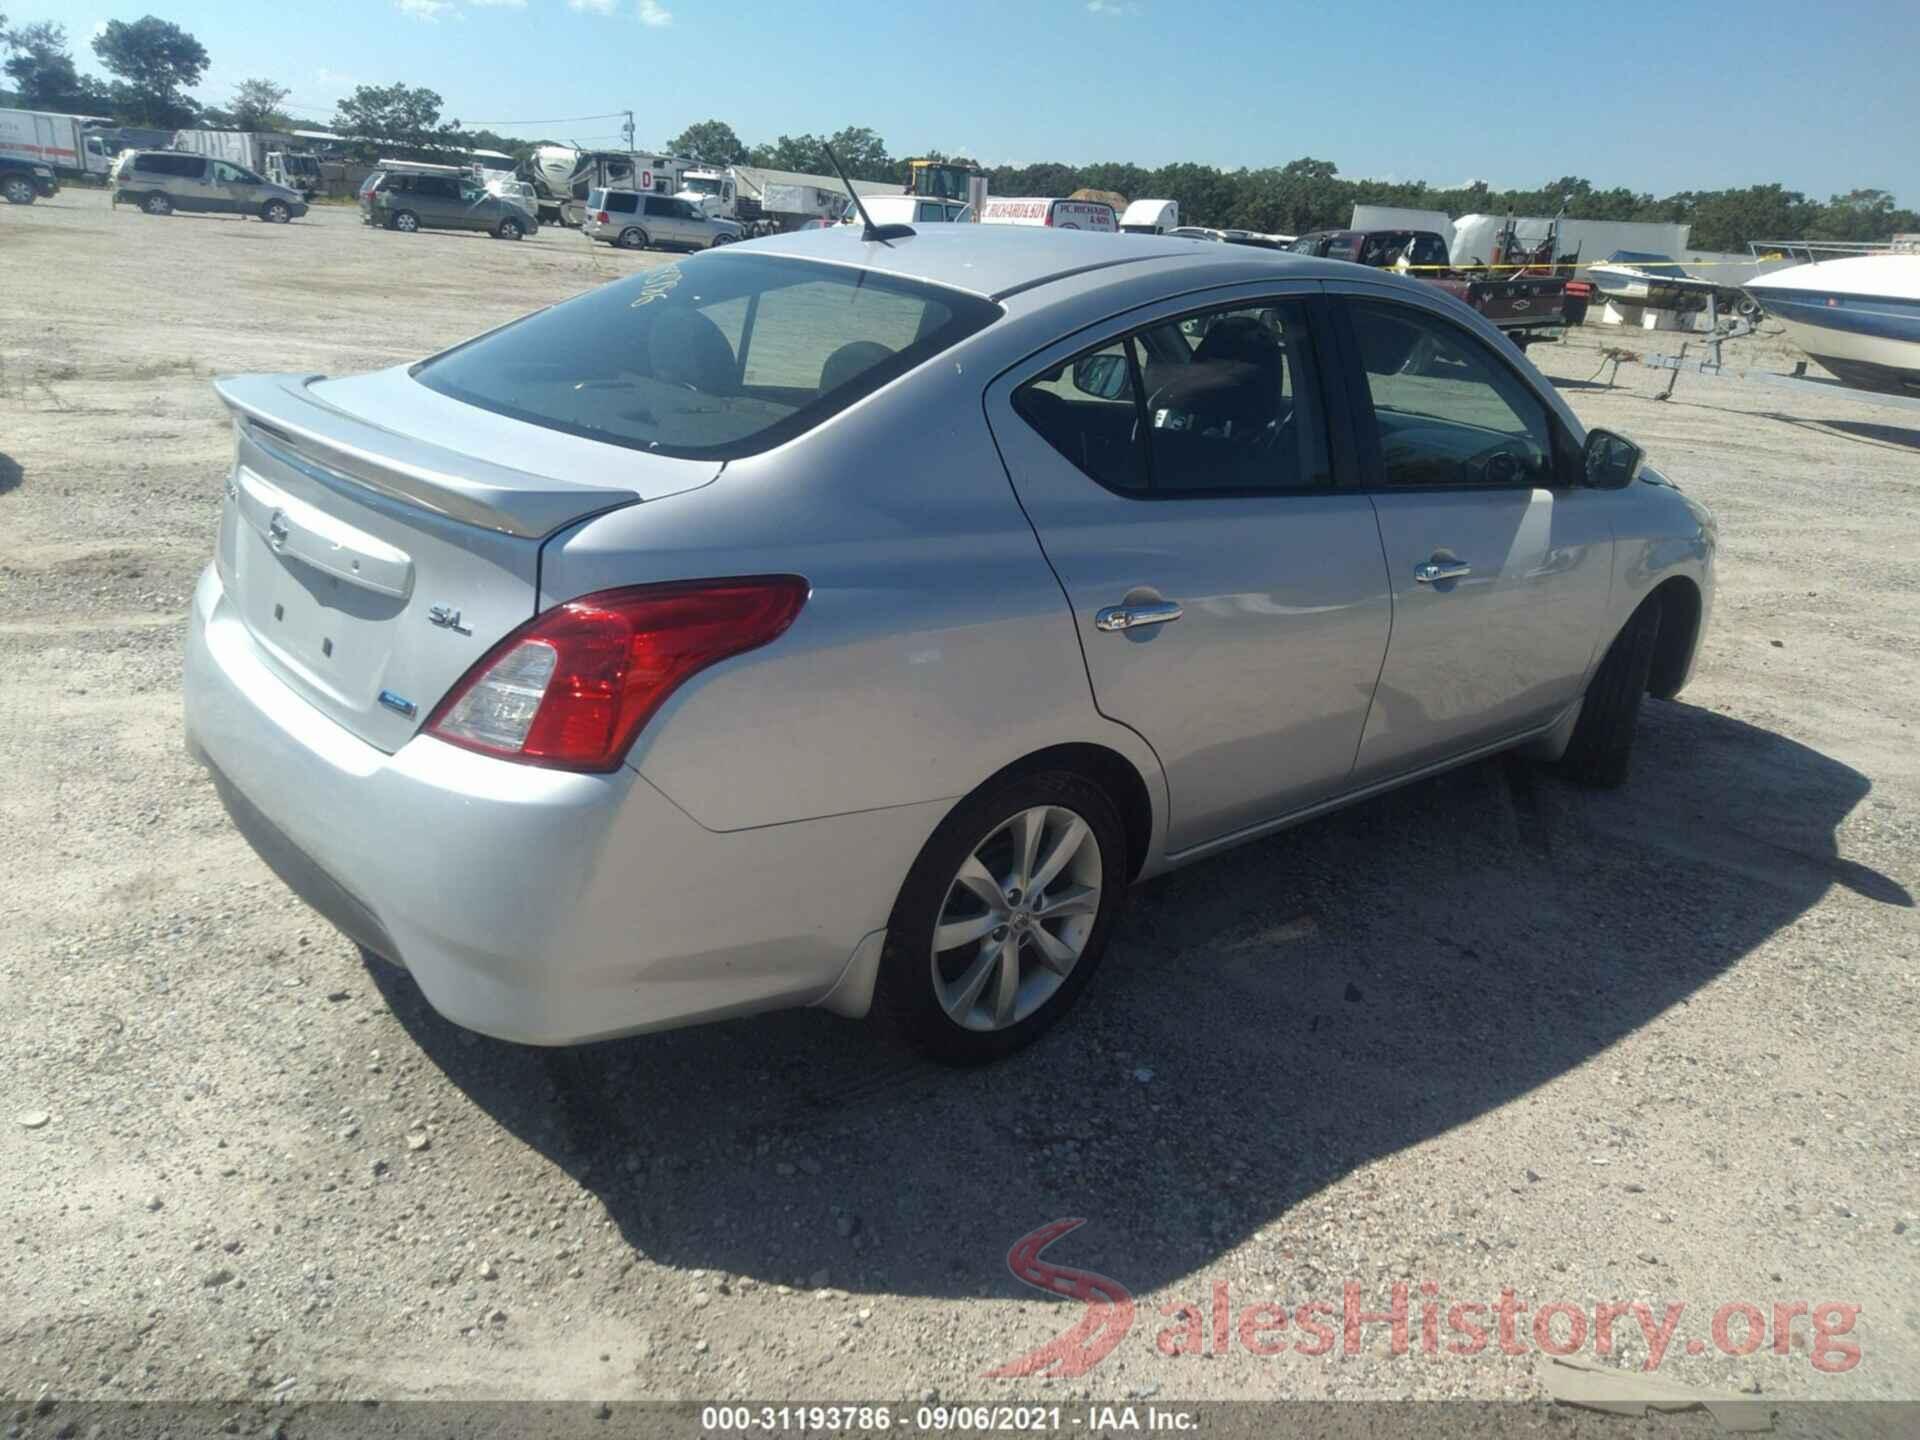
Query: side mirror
point(1611, 461)
point(1104, 377)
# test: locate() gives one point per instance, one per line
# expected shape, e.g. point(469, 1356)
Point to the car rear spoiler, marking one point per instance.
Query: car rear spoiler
point(282, 414)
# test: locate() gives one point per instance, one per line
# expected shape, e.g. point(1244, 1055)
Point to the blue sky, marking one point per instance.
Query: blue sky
point(1680, 95)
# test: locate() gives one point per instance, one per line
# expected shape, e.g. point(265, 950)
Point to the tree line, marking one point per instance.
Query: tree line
point(154, 64)
point(1309, 194)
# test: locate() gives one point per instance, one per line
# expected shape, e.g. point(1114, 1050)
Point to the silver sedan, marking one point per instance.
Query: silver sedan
point(824, 621)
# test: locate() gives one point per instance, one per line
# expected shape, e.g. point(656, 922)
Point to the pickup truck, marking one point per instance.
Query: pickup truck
point(1525, 309)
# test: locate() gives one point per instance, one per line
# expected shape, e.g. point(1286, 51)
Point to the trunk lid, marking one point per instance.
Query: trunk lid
point(373, 555)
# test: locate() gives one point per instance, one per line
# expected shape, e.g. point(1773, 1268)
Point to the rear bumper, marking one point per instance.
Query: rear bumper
point(531, 904)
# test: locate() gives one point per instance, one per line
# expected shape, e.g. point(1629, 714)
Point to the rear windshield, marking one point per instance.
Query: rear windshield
point(720, 355)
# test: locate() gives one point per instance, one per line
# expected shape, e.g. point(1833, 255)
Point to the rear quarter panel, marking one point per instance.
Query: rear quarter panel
point(936, 647)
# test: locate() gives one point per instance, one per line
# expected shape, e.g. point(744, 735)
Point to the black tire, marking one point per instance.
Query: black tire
point(905, 1002)
point(405, 221)
point(157, 204)
point(19, 190)
point(632, 238)
point(720, 240)
point(276, 212)
point(509, 229)
point(1602, 746)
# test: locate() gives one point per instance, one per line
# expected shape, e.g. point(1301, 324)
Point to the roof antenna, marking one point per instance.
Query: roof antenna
point(882, 233)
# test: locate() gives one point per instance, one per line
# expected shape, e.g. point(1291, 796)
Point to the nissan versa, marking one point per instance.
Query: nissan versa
point(829, 621)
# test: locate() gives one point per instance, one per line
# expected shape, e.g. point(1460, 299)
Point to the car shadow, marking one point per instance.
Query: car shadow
point(11, 474)
point(1265, 1023)
point(1893, 437)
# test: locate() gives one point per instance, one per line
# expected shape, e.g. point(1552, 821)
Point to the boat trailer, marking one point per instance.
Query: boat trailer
point(1738, 327)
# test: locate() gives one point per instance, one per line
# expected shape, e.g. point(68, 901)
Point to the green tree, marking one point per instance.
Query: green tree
point(43, 74)
point(713, 141)
point(491, 140)
point(1116, 175)
point(863, 153)
point(397, 115)
point(155, 61)
point(791, 152)
point(1728, 219)
point(256, 106)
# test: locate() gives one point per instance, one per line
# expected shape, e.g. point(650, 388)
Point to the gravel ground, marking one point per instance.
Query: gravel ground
point(1654, 1045)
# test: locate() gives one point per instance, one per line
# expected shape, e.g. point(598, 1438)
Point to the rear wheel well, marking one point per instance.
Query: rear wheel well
point(1115, 775)
point(1679, 601)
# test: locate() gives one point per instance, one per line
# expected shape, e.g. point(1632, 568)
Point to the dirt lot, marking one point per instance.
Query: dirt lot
point(1655, 1045)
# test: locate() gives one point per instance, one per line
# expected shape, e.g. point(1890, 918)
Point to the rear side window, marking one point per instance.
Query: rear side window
point(1225, 402)
point(721, 355)
point(183, 166)
point(659, 205)
point(621, 202)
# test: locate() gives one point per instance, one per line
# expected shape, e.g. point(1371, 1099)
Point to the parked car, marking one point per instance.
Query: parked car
point(163, 181)
point(604, 672)
point(640, 220)
point(910, 210)
point(423, 198)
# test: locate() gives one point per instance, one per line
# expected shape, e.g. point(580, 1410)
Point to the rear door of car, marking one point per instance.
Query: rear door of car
point(623, 210)
point(441, 193)
point(182, 177)
point(1231, 599)
point(196, 182)
point(1500, 565)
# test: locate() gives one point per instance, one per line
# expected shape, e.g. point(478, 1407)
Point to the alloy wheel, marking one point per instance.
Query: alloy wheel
point(1016, 918)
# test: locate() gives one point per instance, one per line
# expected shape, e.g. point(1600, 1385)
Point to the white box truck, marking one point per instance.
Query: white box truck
point(38, 148)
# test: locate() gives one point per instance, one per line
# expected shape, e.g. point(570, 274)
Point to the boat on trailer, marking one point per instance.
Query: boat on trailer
point(1859, 317)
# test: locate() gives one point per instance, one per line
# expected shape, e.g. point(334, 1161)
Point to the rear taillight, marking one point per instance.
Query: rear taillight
point(573, 687)
point(601, 218)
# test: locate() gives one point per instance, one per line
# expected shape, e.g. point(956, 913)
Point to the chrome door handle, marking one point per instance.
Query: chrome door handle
point(1436, 570)
point(1132, 617)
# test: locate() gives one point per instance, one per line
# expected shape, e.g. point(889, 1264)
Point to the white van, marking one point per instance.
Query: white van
point(1056, 214)
point(1151, 217)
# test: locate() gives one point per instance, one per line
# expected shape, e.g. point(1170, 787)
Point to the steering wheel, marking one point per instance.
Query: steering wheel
point(1495, 465)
